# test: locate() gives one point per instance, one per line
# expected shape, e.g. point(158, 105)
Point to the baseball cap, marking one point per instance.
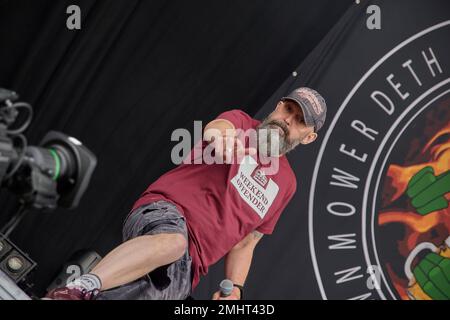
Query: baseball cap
point(313, 106)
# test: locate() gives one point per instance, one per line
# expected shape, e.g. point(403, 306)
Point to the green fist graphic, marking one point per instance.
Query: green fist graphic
point(433, 276)
point(427, 192)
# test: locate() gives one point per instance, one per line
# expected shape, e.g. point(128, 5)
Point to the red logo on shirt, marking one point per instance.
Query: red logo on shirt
point(259, 176)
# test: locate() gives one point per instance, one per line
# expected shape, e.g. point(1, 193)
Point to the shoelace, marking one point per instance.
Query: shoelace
point(89, 295)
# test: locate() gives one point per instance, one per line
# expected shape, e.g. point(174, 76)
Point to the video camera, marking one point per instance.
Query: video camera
point(54, 174)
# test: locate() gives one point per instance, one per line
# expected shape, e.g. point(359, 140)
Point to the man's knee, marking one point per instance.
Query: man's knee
point(178, 244)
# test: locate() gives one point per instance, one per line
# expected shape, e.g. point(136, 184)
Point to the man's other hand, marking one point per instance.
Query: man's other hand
point(235, 295)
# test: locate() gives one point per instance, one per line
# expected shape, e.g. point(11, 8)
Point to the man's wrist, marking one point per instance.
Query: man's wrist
point(240, 289)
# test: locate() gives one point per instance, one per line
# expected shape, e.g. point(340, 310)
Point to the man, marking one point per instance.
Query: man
point(195, 214)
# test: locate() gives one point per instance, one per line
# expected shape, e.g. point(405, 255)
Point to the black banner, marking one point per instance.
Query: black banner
point(370, 219)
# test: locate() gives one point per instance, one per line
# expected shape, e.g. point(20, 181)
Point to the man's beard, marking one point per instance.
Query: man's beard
point(271, 142)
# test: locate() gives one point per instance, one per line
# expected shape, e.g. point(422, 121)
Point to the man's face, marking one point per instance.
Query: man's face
point(291, 130)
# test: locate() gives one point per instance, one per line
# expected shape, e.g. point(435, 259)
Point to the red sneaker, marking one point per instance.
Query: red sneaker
point(73, 293)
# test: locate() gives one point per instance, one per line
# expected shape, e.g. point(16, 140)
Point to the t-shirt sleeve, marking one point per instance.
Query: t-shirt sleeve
point(268, 226)
point(238, 118)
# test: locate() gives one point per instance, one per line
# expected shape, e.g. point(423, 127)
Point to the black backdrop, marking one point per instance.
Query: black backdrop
point(133, 73)
point(349, 64)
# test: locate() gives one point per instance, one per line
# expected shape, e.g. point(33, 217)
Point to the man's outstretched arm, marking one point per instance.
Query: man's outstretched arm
point(237, 263)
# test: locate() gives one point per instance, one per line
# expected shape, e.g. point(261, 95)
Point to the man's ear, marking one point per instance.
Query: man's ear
point(279, 104)
point(311, 137)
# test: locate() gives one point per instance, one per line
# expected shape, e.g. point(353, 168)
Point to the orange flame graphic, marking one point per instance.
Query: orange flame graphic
point(436, 153)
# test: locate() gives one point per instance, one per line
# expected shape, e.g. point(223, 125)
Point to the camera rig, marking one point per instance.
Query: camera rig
point(53, 174)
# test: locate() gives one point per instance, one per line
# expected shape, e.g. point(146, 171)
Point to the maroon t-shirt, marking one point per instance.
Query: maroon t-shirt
point(223, 203)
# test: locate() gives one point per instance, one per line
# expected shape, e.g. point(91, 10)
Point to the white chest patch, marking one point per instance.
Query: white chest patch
point(257, 190)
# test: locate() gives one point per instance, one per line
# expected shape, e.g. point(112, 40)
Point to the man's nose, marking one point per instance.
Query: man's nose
point(288, 120)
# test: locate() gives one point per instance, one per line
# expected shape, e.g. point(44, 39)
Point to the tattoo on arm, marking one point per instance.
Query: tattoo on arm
point(257, 234)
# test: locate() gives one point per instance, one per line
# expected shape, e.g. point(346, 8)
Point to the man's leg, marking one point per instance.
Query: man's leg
point(138, 257)
point(155, 236)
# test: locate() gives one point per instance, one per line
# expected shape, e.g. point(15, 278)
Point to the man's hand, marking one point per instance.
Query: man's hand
point(235, 295)
point(223, 138)
point(230, 149)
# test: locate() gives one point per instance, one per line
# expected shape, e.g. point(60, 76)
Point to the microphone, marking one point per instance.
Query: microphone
point(226, 287)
